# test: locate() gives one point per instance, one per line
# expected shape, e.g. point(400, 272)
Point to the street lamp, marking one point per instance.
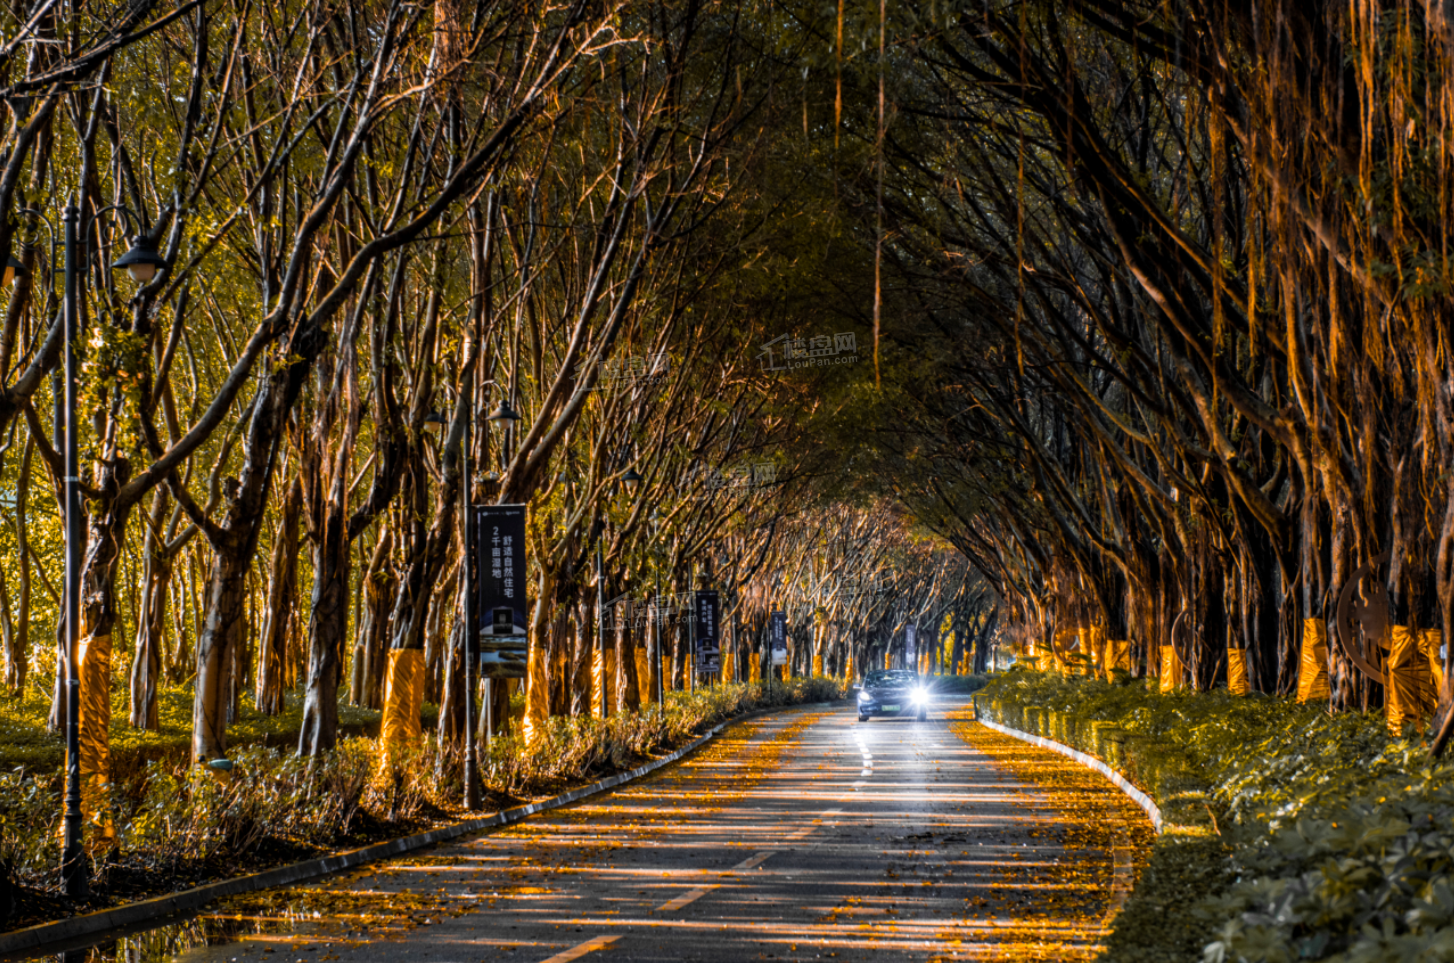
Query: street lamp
point(142, 262)
point(631, 479)
point(504, 416)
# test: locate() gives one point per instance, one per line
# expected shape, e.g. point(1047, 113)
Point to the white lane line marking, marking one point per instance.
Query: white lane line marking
point(808, 830)
point(576, 952)
point(691, 896)
point(752, 863)
point(696, 894)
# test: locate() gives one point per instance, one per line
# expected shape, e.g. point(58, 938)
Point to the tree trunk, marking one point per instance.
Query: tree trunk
point(226, 591)
point(370, 645)
point(278, 617)
point(146, 664)
point(452, 694)
point(235, 542)
point(17, 647)
point(580, 694)
point(628, 695)
point(326, 628)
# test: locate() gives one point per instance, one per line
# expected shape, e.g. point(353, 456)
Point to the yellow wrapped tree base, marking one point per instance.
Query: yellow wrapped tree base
point(1430, 641)
point(848, 667)
point(599, 706)
point(727, 665)
point(1408, 681)
point(403, 700)
point(1170, 668)
point(1118, 656)
point(817, 664)
point(1237, 682)
point(95, 673)
point(644, 681)
point(888, 659)
point(537, 694)
point(1312, 672)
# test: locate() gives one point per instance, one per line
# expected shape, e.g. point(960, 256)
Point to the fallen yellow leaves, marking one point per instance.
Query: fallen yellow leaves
point(1056, 907)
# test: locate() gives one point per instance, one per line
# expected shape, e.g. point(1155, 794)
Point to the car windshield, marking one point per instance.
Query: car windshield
point(891, 677)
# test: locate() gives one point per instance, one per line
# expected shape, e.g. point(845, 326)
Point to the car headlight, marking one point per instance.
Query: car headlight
point(863, 696)
point(920, 695)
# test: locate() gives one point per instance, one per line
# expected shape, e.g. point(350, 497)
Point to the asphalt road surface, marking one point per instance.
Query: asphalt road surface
point(802, 835)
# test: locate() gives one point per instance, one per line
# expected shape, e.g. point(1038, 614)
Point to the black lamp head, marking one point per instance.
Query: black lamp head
point(504, 413)
point(141, 261)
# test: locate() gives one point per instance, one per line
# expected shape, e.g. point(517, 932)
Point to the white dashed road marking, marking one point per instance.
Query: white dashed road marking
point(576, 952)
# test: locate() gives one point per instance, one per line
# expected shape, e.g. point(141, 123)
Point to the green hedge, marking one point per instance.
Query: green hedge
point(1321, 838)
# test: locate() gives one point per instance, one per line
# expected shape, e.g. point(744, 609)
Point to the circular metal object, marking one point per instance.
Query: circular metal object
point(1363, 619)
point(1181, 641)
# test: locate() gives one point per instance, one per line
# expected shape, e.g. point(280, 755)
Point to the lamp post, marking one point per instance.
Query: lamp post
point(471, 626)
point(660, 623)
point(141, 261)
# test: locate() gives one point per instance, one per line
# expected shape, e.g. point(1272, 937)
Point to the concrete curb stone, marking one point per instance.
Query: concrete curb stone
point(1153, 812)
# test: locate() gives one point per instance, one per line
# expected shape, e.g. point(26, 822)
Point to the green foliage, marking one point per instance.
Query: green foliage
point(1339, 841)
point(271, 796)
point(1165, 918)
point(29, 816)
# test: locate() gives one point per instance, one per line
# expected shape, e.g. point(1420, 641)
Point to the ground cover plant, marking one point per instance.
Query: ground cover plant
point(1325, 838)
point(179, 824)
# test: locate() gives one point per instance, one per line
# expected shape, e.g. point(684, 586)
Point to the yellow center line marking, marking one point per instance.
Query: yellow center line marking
point(576, 952)
point(689, 897)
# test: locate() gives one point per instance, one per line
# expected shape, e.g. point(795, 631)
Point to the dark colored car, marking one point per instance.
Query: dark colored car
point(892, 692)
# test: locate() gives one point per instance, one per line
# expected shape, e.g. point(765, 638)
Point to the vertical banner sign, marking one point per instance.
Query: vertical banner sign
point(709, 651)
point(778, 637)
point(504, 638)
point(911, 661)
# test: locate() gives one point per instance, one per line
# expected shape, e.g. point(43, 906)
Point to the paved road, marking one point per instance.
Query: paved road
point(803, 835)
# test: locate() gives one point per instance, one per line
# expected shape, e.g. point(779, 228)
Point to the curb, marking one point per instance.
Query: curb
point(1140, 798)
point(78, 929)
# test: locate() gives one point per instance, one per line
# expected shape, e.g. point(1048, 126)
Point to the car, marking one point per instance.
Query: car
point(892, 692)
